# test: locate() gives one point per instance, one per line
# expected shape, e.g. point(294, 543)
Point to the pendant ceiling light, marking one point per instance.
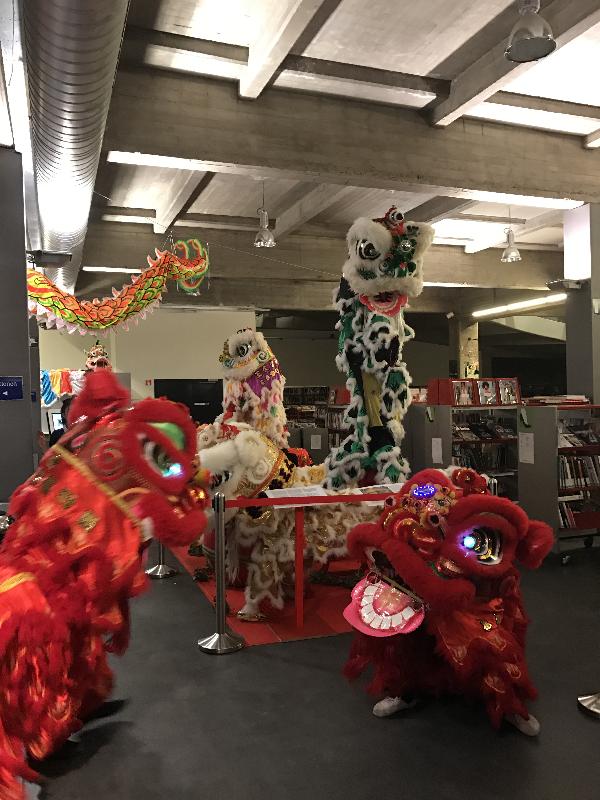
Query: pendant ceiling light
point(531, 38)
point(264, 236)
point(510, 252)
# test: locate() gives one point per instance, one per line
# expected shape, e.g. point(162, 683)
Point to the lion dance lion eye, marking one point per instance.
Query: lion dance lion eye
point(485, 543)
point(242, 350)
point(367, 250)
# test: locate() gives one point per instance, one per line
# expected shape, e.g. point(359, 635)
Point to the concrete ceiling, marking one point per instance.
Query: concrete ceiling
point(340, 109)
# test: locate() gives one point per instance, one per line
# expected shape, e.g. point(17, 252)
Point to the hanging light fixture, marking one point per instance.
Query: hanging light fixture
point(265, 236)
point(510, 252)
point(531, 38)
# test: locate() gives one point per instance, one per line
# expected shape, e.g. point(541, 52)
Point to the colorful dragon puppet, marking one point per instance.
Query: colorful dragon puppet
point(260, 541)
point(73, 557)
point(440, 610)
point(253, 385)
point(383, 269)
point(188, 265)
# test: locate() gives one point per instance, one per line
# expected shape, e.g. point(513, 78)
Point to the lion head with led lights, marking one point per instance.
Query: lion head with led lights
point(440, 609)
point(73, 556)
point(385, 260)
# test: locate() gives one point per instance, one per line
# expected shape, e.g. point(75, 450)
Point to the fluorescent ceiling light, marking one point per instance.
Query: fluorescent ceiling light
point(444, 285)
point(547, 300)
point(128, 218)
point(153, 160)
point(535, 118)
point(190, 61)
point(125, 270)
point(520, 199)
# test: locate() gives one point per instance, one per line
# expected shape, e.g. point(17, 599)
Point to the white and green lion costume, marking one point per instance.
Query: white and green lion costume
point(383, 270)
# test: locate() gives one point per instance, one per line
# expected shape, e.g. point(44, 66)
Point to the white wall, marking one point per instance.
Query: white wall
point(167, 344)
point(179, 344)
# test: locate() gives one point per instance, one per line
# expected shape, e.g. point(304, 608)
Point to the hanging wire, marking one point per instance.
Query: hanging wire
point(169, 238)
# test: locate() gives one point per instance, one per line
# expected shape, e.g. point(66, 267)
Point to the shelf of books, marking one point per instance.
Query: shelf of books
point(559, 470)
point(481, 437)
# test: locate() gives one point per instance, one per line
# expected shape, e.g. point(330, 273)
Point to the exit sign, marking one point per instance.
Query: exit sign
point(11, 387)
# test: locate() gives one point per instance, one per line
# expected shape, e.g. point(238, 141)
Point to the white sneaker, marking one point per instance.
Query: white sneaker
point(390, 705)
point(530, 727)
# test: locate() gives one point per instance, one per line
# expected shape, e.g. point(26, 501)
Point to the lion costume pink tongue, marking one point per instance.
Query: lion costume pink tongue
point(388, 303)
point(379, 609)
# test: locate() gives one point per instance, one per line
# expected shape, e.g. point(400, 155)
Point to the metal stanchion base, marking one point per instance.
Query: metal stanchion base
point(591, 703)
point(161, 571)
point(219, 644)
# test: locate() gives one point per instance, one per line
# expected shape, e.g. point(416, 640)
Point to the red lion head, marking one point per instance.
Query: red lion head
point(442, 571)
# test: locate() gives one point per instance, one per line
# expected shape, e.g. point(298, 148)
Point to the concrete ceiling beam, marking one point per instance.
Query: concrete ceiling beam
point(315, 200)
point(309, 138)
point(548, 219)
point(438, 208)
point(233, 257)
point(184, 189)
point(287, 22)
point(492, 71)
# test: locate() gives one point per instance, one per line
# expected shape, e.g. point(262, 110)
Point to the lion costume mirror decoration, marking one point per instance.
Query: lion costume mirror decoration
point(383, 270)
point(73, 556)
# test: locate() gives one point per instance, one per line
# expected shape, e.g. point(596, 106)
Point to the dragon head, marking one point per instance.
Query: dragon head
point(385, 260)
point(244, 353)
point(442, 541)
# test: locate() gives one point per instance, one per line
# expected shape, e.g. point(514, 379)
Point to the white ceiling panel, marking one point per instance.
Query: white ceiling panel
point(570, 73)
point(543, 236)
point(401, 36)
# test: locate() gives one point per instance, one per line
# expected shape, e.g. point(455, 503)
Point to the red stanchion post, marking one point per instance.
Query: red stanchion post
point(299, 586)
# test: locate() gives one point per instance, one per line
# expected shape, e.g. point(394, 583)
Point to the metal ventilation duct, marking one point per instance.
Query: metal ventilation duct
point(71, 52)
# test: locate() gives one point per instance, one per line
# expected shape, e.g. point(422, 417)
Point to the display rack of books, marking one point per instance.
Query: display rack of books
point(483, 438)
point(303, 405)
point(559, 470)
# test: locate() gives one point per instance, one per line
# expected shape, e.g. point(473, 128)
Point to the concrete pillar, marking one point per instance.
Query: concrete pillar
point(464, 348)
point(16, 416)
point(582, 263)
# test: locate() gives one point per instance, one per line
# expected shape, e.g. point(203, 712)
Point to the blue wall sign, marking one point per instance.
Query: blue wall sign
point(11, 387)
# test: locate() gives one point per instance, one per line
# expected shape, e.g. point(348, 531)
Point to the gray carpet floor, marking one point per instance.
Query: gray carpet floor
point(280, 721)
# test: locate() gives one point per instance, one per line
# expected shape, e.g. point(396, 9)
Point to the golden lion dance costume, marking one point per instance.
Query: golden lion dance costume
point(253, 385)
point(261, 541)
point(73, 557)
point(440, 610)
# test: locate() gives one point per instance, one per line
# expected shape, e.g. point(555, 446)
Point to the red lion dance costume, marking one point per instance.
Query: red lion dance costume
point(440, 610)
point(73, 557)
